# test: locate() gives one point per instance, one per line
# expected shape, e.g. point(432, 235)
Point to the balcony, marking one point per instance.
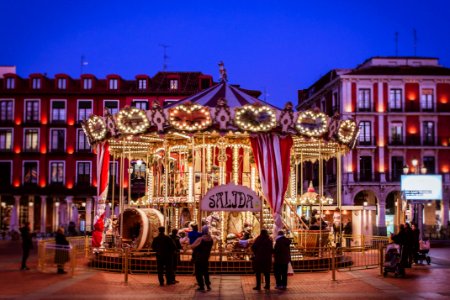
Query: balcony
point(366, 141)
point(415, 140)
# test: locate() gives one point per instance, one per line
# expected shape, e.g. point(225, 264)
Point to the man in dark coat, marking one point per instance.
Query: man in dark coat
point(176, 255)
point(165, 249)
point(262, 259)
point(282, 257)
point(201, 252)
point(27, 244)
point(62, 250)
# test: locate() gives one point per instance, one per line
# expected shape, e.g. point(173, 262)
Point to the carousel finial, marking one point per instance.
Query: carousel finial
point(223, 72)
point(311, 187)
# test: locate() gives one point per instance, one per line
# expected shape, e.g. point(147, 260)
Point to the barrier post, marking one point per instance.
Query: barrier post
point(333, 263)
point(381, 257)
point(73, 261)
point(127, 252)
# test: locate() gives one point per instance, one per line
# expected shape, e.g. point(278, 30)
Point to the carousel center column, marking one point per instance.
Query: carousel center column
point(43, 213)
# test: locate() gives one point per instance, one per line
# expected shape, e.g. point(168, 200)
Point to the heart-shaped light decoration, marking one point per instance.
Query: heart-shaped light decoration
point(255, 118)
point(190, 117)
point(346, 131)
point(312, 124)
point(96, 128)
point(132, 121)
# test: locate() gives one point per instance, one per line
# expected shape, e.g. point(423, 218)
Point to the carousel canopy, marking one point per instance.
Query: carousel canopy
point(234, 96)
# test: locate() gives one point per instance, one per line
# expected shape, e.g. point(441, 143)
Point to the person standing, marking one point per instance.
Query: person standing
point(348, 231)
point(282, 257)
point(201, 252)
point(27, 244)
point(165, 249)
point(415, 240)
point(61, 251)
point(176, 255)
point(262, 260)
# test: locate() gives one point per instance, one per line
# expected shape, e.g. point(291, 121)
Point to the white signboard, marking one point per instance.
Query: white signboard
point(422, 187)
point(230, 197)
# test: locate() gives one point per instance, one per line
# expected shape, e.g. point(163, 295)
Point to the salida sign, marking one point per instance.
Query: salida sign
point(231, 197)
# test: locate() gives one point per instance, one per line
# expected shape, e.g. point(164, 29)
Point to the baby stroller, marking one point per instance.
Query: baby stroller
point(422, 254)
point(392, 260)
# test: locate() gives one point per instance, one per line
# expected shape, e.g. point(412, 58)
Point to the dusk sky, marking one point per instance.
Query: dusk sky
point(273, 46)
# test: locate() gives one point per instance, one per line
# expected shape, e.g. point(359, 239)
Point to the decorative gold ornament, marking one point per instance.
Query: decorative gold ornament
point(312, 124)
point(346, 131)
point(255, 118)
point(190, 117)
point(132, 120)
point(96, 128)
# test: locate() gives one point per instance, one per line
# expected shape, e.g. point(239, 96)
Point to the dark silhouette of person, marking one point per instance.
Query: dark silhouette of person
point(61, 251)
point(194, 234)
point(348, 231)
point(27, 244)
point(282, 257)
point(71, 229)
point(262, 260)
point(202, 250)
point(165, 249)
point(176, 255)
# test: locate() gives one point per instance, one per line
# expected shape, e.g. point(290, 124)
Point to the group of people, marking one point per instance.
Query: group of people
point(168, 248)
point(61, 248)
point(263, 252)
point(408, 237)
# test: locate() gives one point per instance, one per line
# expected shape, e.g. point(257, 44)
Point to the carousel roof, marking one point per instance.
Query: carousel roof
point(210, 97)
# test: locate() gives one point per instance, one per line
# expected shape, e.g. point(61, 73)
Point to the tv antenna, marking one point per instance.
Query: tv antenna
point(415, 41)
point(396, 43)
point(165, 57)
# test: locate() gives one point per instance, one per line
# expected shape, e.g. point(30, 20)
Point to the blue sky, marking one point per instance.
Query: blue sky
point(273, 46)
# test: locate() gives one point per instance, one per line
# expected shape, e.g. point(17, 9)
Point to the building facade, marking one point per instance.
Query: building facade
point(47, 165)
point(402, 105)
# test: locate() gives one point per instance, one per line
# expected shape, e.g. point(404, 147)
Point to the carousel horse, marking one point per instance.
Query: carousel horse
point(213, 221)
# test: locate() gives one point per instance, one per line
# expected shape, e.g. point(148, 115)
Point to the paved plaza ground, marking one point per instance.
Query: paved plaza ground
point(421, 282)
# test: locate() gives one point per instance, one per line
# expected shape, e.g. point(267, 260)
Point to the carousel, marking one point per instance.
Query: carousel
point(220, 158)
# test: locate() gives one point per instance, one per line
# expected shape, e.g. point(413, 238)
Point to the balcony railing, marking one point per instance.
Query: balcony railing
point(414, 140)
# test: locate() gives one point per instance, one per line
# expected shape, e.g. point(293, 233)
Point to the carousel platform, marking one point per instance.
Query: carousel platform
point(220, 263)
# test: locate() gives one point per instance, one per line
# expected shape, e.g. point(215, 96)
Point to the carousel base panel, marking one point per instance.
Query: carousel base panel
point(229, 263)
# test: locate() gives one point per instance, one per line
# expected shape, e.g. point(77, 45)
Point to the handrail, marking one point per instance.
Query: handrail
point(298, 217)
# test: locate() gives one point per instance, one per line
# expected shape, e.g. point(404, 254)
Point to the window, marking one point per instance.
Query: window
point(82, 141)
point(396, 134)
point(429, 163)
point(142, 84)
point(83, 172)
point(112, 106)
point(365, 168)
point(57, 140)
point(30, 172)
point(5, 139)
point(113, 84)
point(428, 133)
point(426, 100)
point(87, 83)
point(31, 138)
point(141, 104)
point(334, 101)
point(174, 84)
point(36, 83)
point(10, 83)
point(5, 174)
point(56, 172)
point(364, 103)
point(31, 110)
point(395, 100)
point(6, 110)
point(84, 110)
point(62, 83)
point(396, 167)
point(58, 111)
point(365, 133)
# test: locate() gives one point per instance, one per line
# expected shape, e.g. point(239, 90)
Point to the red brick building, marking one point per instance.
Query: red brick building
point(402, 105)
point(47, 167)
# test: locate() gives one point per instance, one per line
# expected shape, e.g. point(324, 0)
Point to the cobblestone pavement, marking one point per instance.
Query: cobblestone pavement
point(421, 282)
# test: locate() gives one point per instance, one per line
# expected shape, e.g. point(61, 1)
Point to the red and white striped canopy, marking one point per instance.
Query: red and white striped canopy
point(235, 97)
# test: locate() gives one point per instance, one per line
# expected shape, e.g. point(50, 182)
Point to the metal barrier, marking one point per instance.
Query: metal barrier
point(364, 252)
